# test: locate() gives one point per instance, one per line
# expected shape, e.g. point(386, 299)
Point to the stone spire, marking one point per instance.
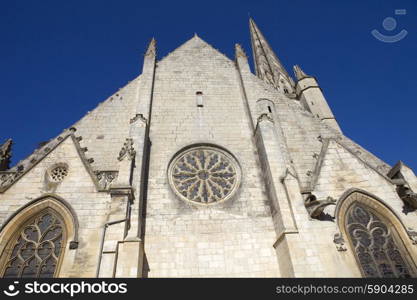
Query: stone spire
point(268, 66)
point(299, 73)
point(5, 155)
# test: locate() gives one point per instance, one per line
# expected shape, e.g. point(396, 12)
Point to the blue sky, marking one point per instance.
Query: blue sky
point(59, 59)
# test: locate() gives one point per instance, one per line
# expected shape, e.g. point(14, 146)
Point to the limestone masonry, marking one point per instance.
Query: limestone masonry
point(199, 168)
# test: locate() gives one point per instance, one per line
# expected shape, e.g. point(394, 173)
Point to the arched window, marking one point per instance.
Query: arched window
point(35, 249)
point(378, 248)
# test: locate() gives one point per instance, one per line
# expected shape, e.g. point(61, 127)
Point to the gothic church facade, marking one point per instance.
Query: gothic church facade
point(200, 168)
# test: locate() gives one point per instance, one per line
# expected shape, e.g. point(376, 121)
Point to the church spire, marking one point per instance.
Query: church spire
point(268, 66)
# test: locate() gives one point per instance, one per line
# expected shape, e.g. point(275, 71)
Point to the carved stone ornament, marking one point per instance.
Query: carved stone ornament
point(5, 155)
point(339, 242)
point(127, 150)
point(405, 193)
point(239, 51)
point(7, 178)
point(204, 175)
point(315, 207)
point(105, 178)
point(138, 117)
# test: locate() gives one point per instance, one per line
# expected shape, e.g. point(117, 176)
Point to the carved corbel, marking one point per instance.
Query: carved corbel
point(315, 207)
point(339, 242)
point(405, 193)
point(7, 178)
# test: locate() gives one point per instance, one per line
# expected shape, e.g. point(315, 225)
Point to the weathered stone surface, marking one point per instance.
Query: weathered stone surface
point(296, 176)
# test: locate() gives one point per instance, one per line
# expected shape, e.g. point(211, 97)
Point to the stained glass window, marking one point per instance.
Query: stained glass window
point(377, 247)
point(36, 247)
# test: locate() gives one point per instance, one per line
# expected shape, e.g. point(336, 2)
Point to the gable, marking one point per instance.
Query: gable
point(39, 178)
point(192, 52)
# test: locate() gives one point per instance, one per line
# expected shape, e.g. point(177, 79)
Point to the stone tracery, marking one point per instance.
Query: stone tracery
point(204, 175)
point(36, 248)
point(375, 245)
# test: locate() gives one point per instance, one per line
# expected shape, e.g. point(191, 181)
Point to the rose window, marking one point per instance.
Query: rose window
point(204, 174)
point(58, 173)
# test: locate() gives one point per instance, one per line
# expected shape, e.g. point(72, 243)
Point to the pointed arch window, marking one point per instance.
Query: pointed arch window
point(376, 243)
point(35, 249)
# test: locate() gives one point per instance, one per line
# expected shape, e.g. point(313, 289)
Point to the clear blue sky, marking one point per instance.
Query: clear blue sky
point(59, 59)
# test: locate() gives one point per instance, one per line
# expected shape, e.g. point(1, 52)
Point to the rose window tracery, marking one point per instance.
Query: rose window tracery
point(204, 174)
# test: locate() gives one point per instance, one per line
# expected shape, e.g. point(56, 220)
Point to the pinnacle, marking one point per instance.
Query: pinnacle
point(151, 48)
point(239, 51)
point(299, 73)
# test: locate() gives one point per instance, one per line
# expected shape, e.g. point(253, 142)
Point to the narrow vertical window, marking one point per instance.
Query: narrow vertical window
point(199, 99)
point(269, 109)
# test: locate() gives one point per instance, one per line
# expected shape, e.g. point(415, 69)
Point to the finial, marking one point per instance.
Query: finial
point(239, 52)
point(5, 155)
point(299, 73)
point(151, 48)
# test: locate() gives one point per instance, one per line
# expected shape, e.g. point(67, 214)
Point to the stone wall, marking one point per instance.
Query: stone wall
point(233, 238)
point(79, 191)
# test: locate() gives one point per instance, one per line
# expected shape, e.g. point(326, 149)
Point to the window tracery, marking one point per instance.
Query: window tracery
point(36, 247)
point(375, 243)
point(204, 174)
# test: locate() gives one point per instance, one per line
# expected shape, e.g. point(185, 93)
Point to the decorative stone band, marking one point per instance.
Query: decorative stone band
point(8, 177)
point(204, 174)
